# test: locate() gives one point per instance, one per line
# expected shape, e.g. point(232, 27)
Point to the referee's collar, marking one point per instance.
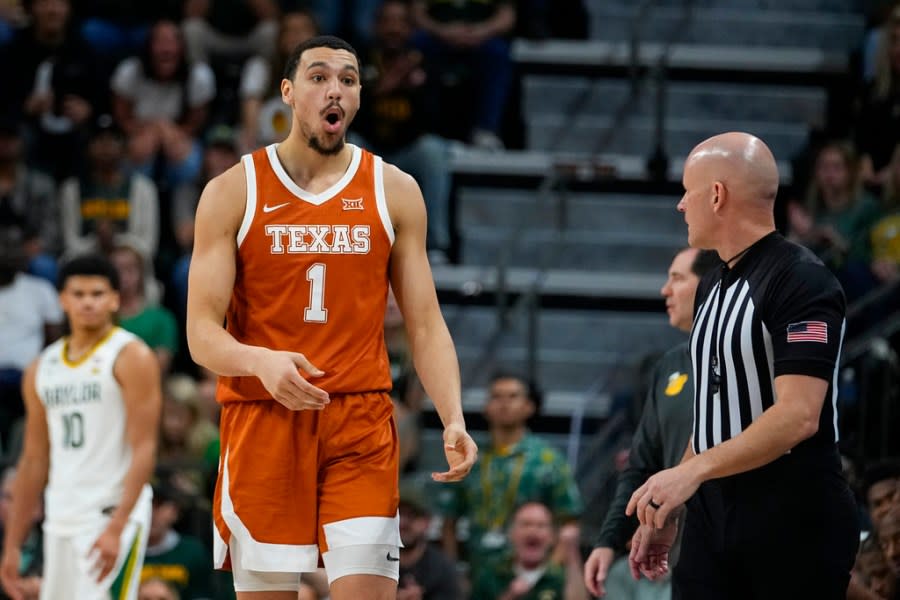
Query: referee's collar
point(753, 251)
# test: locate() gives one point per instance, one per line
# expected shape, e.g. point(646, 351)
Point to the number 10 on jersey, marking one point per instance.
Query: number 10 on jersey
point(316, 312)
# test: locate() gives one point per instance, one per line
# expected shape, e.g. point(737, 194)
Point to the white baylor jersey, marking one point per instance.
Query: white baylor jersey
point(89, 453)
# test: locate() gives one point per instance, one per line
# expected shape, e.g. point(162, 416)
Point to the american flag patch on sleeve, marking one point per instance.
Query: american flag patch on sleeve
point(808, 331)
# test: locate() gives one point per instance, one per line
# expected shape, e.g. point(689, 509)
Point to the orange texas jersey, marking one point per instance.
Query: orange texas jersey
point(312, 275)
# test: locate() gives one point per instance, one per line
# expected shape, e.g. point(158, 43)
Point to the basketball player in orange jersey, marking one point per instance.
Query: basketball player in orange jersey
point(294, 250)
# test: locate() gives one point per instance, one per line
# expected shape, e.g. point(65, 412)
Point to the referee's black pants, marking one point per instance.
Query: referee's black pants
point(788, 530)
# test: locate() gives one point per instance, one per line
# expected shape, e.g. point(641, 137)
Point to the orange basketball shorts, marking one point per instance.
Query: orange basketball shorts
point(294, 484)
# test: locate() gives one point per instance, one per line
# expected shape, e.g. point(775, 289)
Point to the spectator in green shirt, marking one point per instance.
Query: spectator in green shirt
point(178, 559)
point(154, 324)
point(516, 467)
point(528, 572)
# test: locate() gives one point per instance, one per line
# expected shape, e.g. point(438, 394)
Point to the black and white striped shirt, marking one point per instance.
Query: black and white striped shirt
point(779, 311)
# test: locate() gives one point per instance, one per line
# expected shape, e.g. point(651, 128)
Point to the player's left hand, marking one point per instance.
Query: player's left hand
point(668, 489)
point(461, 452)
point(104, 552)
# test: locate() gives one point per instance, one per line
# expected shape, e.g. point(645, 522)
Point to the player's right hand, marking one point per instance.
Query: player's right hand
point(596, 570)
point(9, 574)
point(279, 372)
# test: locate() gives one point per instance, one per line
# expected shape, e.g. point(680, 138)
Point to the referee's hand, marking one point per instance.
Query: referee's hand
point(665, 492)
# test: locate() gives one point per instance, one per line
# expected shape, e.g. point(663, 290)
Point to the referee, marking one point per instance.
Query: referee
point(769, 514)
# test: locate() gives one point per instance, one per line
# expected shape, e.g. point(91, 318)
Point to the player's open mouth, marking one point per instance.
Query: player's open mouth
point(333, 120)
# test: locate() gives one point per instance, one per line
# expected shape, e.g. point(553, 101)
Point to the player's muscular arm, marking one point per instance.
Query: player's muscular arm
point(31, 477)
point(210, 283)
point(137, 372)
point(432, 348)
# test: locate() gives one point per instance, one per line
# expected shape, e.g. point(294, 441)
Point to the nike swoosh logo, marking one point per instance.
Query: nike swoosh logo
point(268, 209)
point(391, 558)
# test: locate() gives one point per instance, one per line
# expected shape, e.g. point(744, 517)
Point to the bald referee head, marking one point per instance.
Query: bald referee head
point(730, 182)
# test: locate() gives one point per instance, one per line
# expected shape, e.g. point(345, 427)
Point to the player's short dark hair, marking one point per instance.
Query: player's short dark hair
point(531, 387)
point(320, 41)
point(706, 260)
point(89, 265)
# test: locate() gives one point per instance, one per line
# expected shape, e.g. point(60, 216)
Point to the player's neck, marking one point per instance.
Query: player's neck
point(306, 166)
point(504, 437)
point(83, 339)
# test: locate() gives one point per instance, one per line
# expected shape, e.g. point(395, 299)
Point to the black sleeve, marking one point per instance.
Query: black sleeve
point(644, 460)
point(804, 313)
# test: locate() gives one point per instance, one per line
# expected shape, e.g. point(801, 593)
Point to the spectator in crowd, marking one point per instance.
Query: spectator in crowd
point(221, 154)
point(661, 435)
point(528, 573)
point(885, 238)
point(887, 528)
point(161, 101)
point(881, 487)
point(157, 589)
point(185, 436)
point(350, 19)
point(837, 217)
point(30, 318)
point(12, 17)
point(406, 391)
point(50, 82)
point(872, 574)
point(516, 467)
point(109, 204)
point(393, 120)
point(32, 560)
point(230, 28)
point(426, 573)
point(118, 28)
point(28, 201)
point(467, 39)
point(178, 559)
point(878, 126)
point(140, 314)
point(265, 118)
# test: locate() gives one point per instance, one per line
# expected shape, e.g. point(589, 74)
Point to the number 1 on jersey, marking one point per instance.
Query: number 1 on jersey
point(316, 311)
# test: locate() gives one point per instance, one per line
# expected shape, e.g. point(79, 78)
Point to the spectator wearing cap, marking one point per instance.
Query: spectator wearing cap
point(426, 573)
point(178, 559)
point(221, 154)
point(161, 101)
point(28, 201)
point(109, 204)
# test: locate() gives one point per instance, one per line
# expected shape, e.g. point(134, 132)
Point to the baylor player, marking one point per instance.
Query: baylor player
point(93, 403)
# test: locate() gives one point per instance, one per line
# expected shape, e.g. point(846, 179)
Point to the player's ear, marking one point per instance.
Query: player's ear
point(287, 91)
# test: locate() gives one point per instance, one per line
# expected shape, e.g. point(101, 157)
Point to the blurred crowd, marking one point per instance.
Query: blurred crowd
point(115, 113)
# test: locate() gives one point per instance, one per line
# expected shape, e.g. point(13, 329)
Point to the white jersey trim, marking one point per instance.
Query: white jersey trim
point(316, 199)
point(250, 207)
point(260, 556)
point(381, 199)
